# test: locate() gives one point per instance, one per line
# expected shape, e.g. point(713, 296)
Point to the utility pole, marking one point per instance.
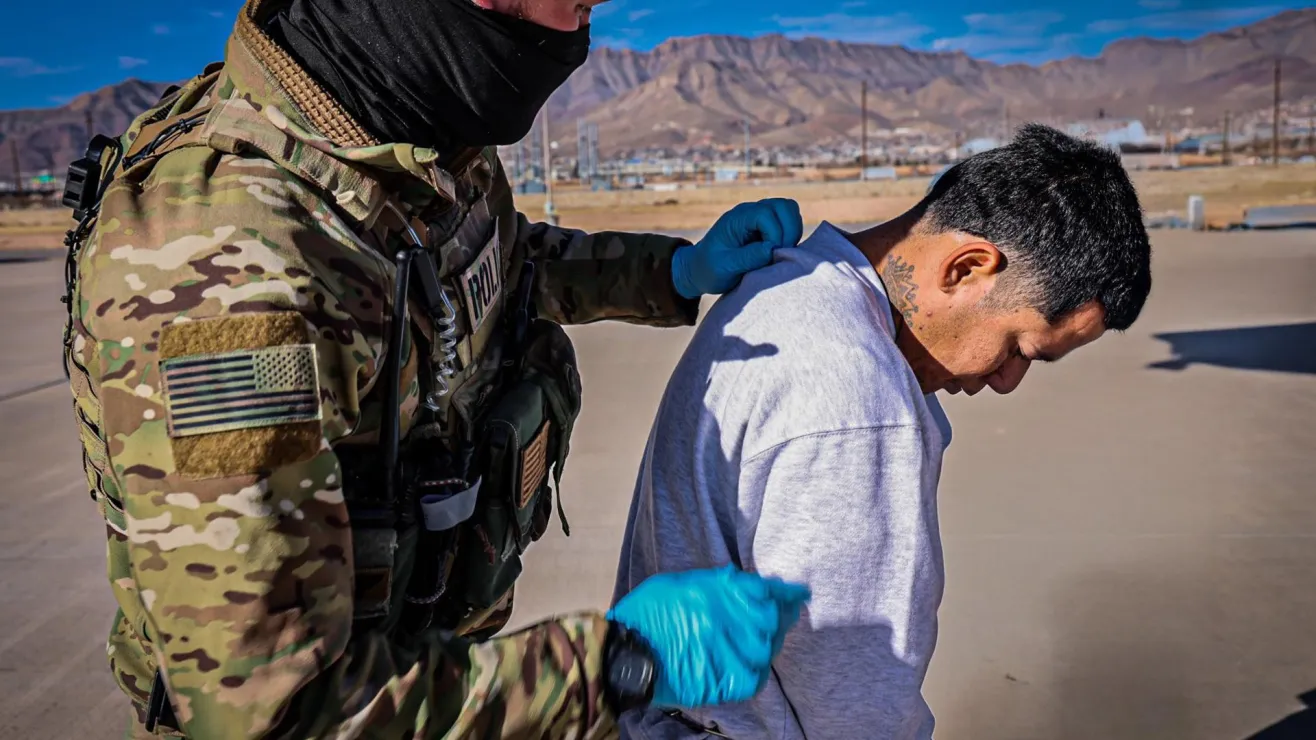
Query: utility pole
point(1224, 156)
point(747, 161)
point(1311, 131)
point(516, 167)
point(18, 171)
point(549, 211)
point(1274, 124)
point(863, 130)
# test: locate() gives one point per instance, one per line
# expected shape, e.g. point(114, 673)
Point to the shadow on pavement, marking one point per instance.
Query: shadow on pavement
point(1297, 726)
point(30, 255)
point(1285, 348)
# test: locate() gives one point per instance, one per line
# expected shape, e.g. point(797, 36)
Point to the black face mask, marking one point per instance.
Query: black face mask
point(443, 74)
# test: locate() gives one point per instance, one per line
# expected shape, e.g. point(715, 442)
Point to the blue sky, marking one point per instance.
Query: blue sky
point(171, 40)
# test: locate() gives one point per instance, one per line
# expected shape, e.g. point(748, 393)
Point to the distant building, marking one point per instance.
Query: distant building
point(1112, 132)
point(1200, 144)
point(881, 173)
point(977, 146)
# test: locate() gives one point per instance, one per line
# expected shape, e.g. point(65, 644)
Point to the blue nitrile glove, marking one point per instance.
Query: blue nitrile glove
point(714, 632)
point(742, 240)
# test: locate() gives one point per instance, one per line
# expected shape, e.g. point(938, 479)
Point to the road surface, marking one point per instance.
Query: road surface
point(1130, 539)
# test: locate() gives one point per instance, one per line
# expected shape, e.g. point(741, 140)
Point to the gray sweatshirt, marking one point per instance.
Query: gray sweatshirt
point(793, 440)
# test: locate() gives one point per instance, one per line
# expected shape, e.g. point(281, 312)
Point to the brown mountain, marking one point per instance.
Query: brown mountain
point(49, 139)
point(801, 91)
point(797, 92)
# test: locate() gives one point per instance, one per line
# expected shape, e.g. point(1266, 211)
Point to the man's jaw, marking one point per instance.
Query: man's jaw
point(955, 387)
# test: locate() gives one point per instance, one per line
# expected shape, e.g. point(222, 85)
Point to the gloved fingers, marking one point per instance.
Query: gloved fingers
point(733, 227)
point(752, 222)
point(786, 592)
point(792, 223)
point(787, 617)
point(767, 224)
point(751, 623)
point(751, 630)
point(741, 683)
point(746, 585)
point(752, 257)
point(748, 615)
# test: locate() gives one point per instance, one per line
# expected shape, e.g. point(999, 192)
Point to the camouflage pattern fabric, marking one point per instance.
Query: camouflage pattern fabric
point(230, 553)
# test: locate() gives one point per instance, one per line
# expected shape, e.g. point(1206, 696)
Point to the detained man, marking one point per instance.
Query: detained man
point(800, 435)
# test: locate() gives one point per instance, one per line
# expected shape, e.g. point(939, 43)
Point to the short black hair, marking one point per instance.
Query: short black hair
point(1063, 212)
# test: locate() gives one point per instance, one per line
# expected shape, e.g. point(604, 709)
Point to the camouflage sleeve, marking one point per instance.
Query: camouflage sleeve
point(231, 326)
point(606, 275)
point(542, 682)
point(582, 278)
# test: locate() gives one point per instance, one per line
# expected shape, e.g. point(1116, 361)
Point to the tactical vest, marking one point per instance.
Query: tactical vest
point(440, 516)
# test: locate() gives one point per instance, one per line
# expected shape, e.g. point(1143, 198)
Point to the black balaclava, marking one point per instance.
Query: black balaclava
point(443, 74)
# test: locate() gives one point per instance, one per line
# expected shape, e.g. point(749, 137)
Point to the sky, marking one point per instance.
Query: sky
point(51, 51)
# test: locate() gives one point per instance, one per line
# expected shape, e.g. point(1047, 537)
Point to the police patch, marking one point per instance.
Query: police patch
point(482, 283)
point(244, 389)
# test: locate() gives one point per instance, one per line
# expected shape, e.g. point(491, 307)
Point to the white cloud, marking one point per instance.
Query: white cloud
point(130, 62)
point(1057, 46)
point(1109, 26)
point(622, 38)
point(1185, 20)
point(981, 43)
point(218, 14)
point(1021, 34)
point(1028, 21)
point(881, 29)
point(160, 29)
point(636, 15)
point(27, 67)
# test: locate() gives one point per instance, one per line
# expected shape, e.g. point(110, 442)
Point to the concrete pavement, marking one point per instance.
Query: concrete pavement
point(1130, 539)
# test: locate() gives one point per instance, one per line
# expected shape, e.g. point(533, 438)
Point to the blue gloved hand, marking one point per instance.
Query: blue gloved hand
point(714, 632)
point(742, 240)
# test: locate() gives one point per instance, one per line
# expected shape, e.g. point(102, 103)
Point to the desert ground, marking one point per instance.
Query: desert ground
point(1228, 192)
point(1129, 539)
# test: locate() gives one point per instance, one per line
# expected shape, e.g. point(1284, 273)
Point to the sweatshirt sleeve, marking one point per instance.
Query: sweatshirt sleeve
point(853, 515)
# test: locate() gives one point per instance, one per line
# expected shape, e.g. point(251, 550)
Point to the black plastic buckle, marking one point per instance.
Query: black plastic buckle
point(159, 712)
point(83, 185)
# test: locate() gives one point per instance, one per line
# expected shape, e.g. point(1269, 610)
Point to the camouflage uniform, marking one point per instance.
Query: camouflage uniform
point(257, 223)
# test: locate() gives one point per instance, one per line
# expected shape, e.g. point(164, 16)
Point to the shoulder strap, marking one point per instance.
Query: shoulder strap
point(172, 123)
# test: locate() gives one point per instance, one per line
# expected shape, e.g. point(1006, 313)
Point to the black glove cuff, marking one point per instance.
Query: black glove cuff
point(630, 670)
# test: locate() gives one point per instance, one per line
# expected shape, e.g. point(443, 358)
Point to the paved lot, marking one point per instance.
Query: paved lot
point(1130, 539)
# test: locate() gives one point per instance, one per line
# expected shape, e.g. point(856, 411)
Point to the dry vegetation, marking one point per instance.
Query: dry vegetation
point(1228, 191)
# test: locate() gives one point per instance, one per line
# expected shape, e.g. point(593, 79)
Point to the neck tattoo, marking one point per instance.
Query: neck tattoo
point(898, 276)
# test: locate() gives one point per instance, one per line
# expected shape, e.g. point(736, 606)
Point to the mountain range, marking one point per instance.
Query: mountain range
point(796, 92)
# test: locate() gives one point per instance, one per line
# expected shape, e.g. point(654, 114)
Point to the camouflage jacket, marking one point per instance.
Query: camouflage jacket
point(259, 229)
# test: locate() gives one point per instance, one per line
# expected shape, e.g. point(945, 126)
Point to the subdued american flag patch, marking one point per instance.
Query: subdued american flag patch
point(246, 389)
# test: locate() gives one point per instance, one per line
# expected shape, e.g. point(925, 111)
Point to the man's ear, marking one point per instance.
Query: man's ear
point(971, 264)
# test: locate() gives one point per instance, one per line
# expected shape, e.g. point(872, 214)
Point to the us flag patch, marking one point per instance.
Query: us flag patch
point(246, 389)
